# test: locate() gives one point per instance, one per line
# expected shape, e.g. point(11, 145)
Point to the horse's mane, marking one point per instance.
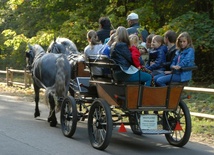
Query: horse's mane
point(38, 49)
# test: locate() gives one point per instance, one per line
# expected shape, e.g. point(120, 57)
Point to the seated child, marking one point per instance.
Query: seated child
point(134, 41)
point(143, 53)
point(157, 56)
point(106, 50)
point(92, 49)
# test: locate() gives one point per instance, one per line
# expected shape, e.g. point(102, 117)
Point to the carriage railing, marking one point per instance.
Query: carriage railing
point(134, 96)
point(107, 67)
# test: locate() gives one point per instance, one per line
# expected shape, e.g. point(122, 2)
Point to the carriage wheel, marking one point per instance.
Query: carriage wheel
point(180, 123)
point(68, 116)
point(100, 124)
point(134, 119)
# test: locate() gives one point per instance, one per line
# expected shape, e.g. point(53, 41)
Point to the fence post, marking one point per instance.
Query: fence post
point(30, 78)
point(11, 75)
point(25, 78)
point(7, 76)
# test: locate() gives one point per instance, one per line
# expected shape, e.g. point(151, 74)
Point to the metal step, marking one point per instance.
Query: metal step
point(155, 132)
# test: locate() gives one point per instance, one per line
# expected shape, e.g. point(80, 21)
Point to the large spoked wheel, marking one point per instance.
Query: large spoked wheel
point(68, 116)
point(134, 119)
point(100, 124)
point(180, 123)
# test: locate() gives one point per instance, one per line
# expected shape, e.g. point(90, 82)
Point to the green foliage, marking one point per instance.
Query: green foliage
point(199, 26)
point(39, 21)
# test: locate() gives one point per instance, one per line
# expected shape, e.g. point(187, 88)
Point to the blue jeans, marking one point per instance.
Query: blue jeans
point(140, 77)
point(157, 76)
point(165, 79)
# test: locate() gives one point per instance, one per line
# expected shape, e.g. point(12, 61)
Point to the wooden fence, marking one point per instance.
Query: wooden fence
point(9, 75)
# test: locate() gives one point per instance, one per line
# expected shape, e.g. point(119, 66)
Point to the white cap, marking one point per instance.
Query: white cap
point(144, 45)
point(132, 16)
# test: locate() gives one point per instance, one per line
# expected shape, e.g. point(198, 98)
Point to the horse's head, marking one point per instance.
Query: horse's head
point(32, 53)
point(29, 57)
point(63, 45)
point(57, 48)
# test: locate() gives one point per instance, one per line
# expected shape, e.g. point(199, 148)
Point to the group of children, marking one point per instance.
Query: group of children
point(166, 55)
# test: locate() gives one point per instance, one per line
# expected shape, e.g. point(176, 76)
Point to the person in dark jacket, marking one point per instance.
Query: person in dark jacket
point(170, 39)
point(105, 28)
point(122, 56)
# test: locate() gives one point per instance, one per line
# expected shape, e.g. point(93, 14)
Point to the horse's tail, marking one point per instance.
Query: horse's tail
point(60, 77)
point(58, 90)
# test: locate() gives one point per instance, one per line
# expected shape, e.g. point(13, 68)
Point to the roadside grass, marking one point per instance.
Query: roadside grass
point(201, 102)
point(202, 125)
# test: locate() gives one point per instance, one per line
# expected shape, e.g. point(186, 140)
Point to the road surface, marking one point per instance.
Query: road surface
point(22, 134)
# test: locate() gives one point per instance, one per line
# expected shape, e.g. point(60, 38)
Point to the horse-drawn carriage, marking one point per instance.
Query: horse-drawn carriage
point(107, 103)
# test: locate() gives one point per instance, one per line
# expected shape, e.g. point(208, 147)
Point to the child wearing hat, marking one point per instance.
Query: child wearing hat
point(143, 53)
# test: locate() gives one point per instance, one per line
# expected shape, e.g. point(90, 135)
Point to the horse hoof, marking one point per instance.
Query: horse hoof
point(36, 114)
point(53, 123)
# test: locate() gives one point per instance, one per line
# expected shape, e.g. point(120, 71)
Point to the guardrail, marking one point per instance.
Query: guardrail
point(202, 90)
point(9, 75)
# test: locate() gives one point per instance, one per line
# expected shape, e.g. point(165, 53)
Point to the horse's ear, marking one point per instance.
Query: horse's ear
point(30, 47)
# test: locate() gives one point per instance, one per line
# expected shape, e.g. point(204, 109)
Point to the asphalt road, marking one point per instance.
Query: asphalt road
point(22, 134)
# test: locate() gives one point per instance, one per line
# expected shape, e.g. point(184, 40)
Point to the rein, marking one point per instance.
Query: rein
point(33, 72)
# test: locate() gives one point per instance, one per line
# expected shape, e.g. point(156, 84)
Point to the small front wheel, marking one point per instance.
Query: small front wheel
point(68, 116)
point(179, 121)
point(134, 119)
point(100, 124)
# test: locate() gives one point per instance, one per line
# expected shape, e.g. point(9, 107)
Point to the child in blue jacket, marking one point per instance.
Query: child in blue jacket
point(157, 56)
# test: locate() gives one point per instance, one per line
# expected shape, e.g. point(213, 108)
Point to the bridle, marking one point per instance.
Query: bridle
point(55, 48)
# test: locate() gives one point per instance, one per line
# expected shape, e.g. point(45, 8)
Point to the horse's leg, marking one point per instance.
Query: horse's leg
point(36, 91)
point(52, 116)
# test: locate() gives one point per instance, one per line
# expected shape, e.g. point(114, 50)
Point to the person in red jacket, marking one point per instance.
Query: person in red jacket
point(136, 56)
point(135, 53)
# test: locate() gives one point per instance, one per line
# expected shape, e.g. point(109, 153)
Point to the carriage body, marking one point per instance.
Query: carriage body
point(138, 97)
point(147, 110)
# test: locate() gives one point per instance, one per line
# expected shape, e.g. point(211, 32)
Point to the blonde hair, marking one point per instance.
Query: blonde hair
point(159, 39)
point(189, 40)
point(134, 39)
point(121, 35)
point(93, 38)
